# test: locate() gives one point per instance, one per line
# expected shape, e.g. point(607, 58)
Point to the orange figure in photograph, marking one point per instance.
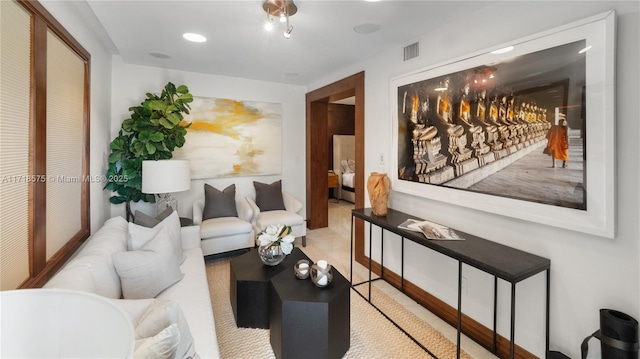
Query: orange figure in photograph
point(558, 143)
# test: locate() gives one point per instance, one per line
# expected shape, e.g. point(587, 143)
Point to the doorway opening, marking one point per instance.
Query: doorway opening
point(317, 149)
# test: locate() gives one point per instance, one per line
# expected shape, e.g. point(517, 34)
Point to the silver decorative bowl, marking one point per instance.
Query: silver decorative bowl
point(302, 268)
point(320, 276)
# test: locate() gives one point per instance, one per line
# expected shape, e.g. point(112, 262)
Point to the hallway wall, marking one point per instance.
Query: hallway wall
point(587, 272)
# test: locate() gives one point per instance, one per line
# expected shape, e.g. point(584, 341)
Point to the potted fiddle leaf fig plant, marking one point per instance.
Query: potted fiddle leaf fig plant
point(154, 130)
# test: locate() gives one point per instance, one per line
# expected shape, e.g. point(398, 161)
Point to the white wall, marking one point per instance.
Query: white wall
point(132, 82)
point(587, 272)
point(80, 22)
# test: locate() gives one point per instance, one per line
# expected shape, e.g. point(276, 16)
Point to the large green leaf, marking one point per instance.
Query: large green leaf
point(151, 149)
point(172, 108)
point(166, 123)
point(180, 140)
point(118, 199)
point(170, 143)
point(186, 98)
point(138, 149)
point(130, 174)
point(182, 89)
point(127, 124)
point(170, 88)
point(156, 137)
point(174, 118)
point(117, 144)
point(157, 105)
point(144, 136)
point(115, 157)
point(182, 130)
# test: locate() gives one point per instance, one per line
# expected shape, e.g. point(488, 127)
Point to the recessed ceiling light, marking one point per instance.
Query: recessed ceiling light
point(366, 28)
point(585, 49)
point(194, 37)
point(160, 55)
point(503, 50)
point(371, 0)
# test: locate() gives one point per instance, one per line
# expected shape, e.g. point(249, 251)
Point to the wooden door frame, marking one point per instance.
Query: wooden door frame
point(317, 103)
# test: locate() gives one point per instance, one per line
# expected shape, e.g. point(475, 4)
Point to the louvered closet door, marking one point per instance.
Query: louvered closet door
point(44, 139)
point(65, 113)
point(15, 77)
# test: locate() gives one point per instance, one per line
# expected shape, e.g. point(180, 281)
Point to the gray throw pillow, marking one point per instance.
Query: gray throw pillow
point(146, 220)
point(219, 203)
point(146, 272)
point(269, 196)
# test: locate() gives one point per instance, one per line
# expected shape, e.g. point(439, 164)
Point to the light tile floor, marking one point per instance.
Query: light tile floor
point(336, 240)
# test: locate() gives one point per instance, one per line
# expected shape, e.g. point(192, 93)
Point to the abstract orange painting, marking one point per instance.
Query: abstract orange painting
point(232, 138)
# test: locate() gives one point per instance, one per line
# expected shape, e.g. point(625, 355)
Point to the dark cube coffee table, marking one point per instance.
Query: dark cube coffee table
point(307, 321)
point(249, 282)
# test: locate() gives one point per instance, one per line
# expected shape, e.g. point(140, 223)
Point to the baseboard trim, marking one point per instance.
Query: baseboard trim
point(470, 327)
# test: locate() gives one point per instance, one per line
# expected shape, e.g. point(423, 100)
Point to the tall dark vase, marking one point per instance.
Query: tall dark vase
point(618, 335)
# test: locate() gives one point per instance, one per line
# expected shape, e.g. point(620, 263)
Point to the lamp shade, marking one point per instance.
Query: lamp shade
point(165, 176)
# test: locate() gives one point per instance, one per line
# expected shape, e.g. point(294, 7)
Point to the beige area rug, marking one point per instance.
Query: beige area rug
point(372, 335)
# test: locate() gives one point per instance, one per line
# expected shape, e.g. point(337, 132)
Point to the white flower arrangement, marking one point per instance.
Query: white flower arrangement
point(276, 235)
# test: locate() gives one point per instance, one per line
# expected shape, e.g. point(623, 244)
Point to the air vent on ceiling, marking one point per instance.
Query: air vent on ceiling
point(411, 51)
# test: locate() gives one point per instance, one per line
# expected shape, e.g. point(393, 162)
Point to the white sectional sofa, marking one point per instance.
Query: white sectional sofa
point(92, 270)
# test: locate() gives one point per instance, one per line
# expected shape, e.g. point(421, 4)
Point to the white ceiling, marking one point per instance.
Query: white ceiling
point(322, 41)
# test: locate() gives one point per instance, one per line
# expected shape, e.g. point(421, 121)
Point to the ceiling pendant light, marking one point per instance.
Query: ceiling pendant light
point(282, 9)
point(268, 25)
point(287, 32)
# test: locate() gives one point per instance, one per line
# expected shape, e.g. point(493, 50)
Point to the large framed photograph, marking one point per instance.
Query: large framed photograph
point(524, 129)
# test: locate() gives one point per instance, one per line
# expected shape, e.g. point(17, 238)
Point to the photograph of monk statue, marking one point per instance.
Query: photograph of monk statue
point(489, 128)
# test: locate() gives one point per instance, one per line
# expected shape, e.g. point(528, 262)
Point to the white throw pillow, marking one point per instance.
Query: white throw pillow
point(344, 166)
point(149, 271)
point(161, 314)
point(160, 346)
point(352, 166)
point(140, 235)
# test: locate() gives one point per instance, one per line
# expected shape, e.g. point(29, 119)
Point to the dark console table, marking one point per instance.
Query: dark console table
point(509, 264)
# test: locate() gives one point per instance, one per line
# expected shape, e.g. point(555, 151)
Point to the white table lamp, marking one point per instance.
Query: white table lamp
point(164, 177)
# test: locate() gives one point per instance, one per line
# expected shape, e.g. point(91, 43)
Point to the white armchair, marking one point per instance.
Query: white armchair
point(224, 234)
point(289, 216)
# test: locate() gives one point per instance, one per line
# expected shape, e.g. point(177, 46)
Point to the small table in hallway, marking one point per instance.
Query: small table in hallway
point(332, 184)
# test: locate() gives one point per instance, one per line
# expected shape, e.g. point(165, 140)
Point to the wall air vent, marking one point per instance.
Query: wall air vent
point(411, 51)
